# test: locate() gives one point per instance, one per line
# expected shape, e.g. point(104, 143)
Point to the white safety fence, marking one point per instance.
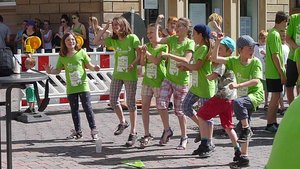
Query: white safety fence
point(99, 82)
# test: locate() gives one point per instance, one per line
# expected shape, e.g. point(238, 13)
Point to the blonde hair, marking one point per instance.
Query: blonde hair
point(172, 18)
point(215, 17)
point(263, 33)
point(95, 24)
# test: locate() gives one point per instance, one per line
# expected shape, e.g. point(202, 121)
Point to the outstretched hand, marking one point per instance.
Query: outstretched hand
point(48, 68)
point(160, 18)
point(97, 68)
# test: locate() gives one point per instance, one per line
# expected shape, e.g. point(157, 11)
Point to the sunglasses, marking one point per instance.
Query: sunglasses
point(74, 18)
point(62, 21)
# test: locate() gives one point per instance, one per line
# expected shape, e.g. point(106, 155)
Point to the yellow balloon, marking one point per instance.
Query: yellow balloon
point(79, 41)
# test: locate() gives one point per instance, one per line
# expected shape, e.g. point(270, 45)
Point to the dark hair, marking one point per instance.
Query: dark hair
point(63, 48)
point(280, 17)
point(65, 17)
point(76, 14)
point(47, 21)
point(124, 26)
point(1, 18)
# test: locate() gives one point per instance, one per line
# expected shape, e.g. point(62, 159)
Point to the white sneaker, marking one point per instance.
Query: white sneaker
point(94, 134)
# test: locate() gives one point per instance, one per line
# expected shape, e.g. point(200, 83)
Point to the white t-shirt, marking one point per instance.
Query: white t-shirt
point(258, 53)
point(286, 51)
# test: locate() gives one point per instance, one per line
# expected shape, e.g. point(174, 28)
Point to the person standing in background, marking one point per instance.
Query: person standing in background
point(4, 34)
point(260, 53)
point(18, 38)
point(93, 30)
point(293, 39)
point(215, 22)
point(78, 28)
point(47, 37)
point(63, 28)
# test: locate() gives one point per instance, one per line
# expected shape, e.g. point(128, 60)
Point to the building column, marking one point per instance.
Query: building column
point(231, 20)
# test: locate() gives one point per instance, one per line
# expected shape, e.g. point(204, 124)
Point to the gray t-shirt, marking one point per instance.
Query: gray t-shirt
point(225, 78)
point(4, 32)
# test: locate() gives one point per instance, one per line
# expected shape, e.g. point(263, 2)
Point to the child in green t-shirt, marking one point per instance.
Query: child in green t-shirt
point(176, 82)
point(126, 46)
point(155, 72)
point(30, 95)
point(275, 69)
point(202, 89)
point(223, 98)
point(248, 73)
point(74, 60)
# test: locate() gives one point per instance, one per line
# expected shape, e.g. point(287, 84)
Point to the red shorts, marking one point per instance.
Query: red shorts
point(217, 106)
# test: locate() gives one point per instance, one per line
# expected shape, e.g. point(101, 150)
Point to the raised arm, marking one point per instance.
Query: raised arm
point(99, 39)
point(215, 52)
point(157, 38)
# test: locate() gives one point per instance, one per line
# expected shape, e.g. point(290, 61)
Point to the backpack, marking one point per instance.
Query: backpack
point(6, 62)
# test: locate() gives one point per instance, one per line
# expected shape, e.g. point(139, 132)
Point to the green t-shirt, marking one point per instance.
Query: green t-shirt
point(273, 46)
point(245, 73)
point(74, 66)
point(124, 56)
point(173, 73)
point(155, 74)
point(201, 86)
point(285, 152)
point(293, 31)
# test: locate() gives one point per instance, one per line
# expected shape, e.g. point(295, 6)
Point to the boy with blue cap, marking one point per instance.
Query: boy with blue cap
point(248, 72)
point(223, 98)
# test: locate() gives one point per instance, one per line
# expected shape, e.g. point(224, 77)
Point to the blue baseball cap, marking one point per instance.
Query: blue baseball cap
point(203, 29)
point(30, 23)
point(245, 40)
point(227, 41)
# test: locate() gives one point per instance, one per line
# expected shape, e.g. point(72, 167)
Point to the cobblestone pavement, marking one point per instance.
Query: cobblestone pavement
point(43, 145)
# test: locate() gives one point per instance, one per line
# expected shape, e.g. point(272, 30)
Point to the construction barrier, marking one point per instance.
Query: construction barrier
point(99, 82)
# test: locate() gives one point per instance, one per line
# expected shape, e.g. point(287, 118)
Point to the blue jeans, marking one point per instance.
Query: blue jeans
point(85, 98)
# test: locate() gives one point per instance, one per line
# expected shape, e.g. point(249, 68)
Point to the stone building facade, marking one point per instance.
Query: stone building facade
point(234, 12)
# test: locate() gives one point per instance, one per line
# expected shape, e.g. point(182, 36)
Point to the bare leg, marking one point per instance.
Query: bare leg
point(132, 115)
point(119, 111)
point(290, 94)
point(146, 100)
point(273, 107)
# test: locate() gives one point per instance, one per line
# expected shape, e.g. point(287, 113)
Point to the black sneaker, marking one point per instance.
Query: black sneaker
point(131, 140)
point(170, 106)
point(245, 135)
point(205, 151)
point(121, 128)
point(243, 161)
point(272, 128)
point(29, 110)
point(237, 155)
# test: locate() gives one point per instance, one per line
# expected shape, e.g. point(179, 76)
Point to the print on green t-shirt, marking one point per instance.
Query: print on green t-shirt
point(173, 73)
point(155, 74)
point(245, 73)
point(273, 46)
point(124, 56)
point(76, 77)
point(201, 86)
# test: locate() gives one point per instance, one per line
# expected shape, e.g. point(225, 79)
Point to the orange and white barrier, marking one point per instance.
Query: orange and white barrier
point(99, 81)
